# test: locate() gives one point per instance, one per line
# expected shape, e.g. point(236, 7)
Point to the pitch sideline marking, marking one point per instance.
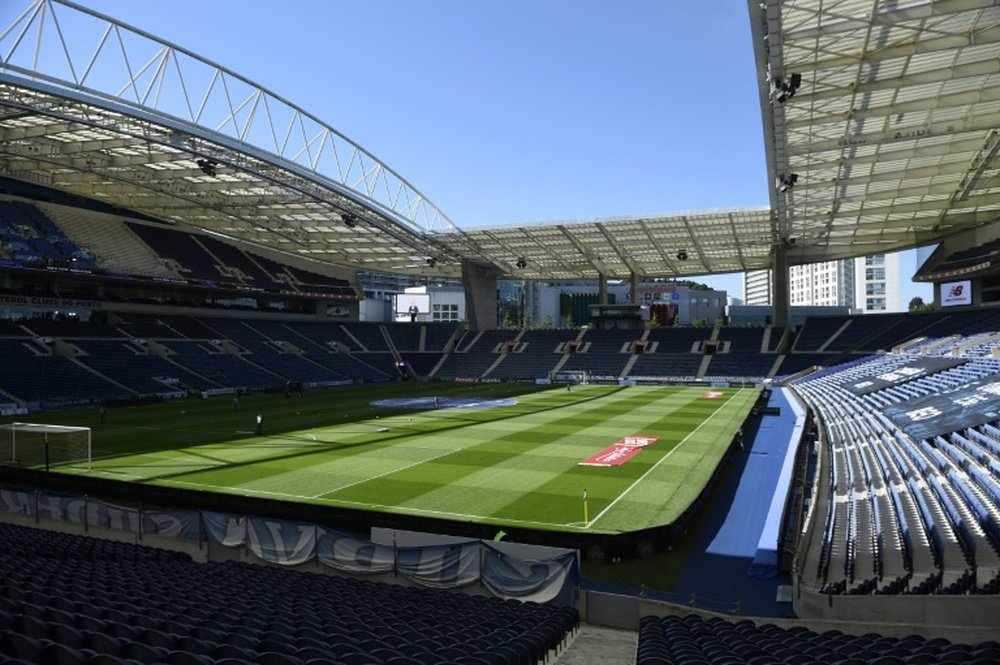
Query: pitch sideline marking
point(658, 462)
point(245, 491)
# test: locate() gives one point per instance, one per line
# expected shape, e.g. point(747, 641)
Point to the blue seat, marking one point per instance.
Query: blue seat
point(30, 626)
point(187, 658)
point(60, 654)
point(100, 643)
point(276, 658)
point(21, 646)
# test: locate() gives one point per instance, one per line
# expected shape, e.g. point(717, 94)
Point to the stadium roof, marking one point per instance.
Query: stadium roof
point(886, 114)
point(893, 130)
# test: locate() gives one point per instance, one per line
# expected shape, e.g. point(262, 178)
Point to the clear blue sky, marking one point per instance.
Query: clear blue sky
point(512, 111)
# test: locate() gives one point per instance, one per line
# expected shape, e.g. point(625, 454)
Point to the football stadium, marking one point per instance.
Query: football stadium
point(212, 452)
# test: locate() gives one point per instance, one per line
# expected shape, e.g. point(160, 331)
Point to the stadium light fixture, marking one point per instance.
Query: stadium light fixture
point(522, 263)
point(787, 181)
point(682, 255)
point(207, 166)
point(349, 220)
point(431, 261)
point(785, 90)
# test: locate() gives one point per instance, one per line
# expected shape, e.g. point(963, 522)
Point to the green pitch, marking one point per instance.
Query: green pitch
point(515, 465)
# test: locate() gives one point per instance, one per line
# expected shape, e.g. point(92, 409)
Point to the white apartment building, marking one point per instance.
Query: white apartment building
point(866, 284)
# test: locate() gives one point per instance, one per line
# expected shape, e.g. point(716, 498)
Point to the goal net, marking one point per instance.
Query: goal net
point(571, 376)
point(42, 446)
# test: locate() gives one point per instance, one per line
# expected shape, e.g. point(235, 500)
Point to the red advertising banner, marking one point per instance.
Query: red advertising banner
point(614, 455)
point(620, 451)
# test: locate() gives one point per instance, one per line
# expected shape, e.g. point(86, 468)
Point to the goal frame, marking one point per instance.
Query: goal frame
point(46, 430)
point(577, 377)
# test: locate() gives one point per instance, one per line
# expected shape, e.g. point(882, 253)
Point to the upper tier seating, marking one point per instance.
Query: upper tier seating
point(114, 246)
point(183, 249)
point(31, 238)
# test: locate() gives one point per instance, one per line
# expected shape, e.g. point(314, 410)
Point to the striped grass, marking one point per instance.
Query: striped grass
point(515, 466)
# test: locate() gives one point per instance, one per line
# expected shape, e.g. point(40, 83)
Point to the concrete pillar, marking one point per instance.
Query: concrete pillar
point(633, 291)
point(480, 281)
point(602, 289)
point(779, 286)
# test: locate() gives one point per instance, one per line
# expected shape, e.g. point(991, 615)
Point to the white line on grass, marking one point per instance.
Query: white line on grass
point(230, 488)
point(443, 513)
point(398, 509)
point(382, 475)
point(658, 462)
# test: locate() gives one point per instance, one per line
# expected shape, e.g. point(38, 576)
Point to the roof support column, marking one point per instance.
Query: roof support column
point(633, 288)
point(602, 289)
point(779, 286)
point(480, 281)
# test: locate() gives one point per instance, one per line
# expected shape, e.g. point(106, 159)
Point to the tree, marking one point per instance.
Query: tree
point(917, 304)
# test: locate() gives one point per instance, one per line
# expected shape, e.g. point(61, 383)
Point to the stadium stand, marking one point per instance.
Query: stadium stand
point(133, 367)
point(859, 330)
point(238, 265)
point(76, 599)
point(183, 249)
point(220, 368)
point(693, 639)
point(897, 518)
point(422, 364)
point(749, 340)
point(968, 261)
point(437, 336)
point(817, 331)
point(28, 236)
point(680, 366)
point(741, 366)
point(475, 353)
point(269, 354)
point(30, 373)
point(536, 354)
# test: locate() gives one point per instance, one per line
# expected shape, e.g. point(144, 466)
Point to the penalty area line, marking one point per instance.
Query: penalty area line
point(387, 473)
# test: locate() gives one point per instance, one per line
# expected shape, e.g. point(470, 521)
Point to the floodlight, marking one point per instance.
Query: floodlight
point(787, 181)
point(207, 166)
point(522, 263)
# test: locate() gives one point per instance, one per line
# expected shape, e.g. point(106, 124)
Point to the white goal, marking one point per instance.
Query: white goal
point(571, 376)
point(43, 446)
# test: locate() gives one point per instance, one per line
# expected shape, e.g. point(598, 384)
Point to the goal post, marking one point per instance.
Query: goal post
point(571, 376)
point(39, 445)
